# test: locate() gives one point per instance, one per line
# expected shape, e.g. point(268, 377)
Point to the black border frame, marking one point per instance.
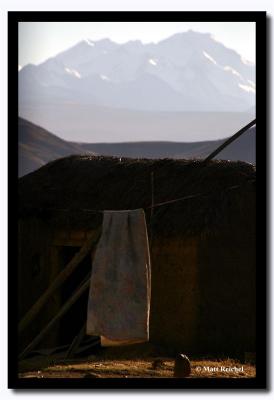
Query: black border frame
point(260, 17)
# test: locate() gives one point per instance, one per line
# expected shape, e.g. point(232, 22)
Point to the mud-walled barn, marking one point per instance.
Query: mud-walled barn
point(202, 245)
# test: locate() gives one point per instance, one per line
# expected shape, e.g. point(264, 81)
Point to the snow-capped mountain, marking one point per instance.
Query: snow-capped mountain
point(187, 72)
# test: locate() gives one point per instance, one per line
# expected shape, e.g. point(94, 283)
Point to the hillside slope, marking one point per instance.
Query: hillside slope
point(37, 146)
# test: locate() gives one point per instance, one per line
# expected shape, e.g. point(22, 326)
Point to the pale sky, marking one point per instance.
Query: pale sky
point(41, 40)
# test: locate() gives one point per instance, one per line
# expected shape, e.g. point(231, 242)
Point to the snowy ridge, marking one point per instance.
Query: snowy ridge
point(189, 71)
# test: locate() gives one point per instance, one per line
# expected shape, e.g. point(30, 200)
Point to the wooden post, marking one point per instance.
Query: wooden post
point(229, 140)
point(84, 286)
point(151, 210)
point(61, 278)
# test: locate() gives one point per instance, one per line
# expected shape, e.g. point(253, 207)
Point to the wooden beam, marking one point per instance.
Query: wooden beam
point(80, 290)
point(229, 140)
point(59, 280)
point(76, 341)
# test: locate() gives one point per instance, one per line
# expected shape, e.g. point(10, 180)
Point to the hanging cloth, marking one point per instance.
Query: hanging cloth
point(120, 286)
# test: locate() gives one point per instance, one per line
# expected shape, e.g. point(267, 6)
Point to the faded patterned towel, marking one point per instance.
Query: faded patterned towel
point(120, 286)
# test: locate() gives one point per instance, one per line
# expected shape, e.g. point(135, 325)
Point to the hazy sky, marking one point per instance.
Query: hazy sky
point(41, 40)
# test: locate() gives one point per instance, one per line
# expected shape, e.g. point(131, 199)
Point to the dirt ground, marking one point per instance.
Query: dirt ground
point(95, 367)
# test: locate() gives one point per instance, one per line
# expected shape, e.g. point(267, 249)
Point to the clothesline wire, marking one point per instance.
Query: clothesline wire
point(157, 204)
point(194, 195)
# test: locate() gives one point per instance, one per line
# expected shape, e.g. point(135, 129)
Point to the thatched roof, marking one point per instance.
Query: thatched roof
point(62, 190)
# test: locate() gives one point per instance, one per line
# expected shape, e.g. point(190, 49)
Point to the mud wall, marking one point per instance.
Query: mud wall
point(203, 288)
point(175, 293)
point(227, 281)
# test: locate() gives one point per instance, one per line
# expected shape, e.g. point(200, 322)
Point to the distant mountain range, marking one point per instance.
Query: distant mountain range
point(184, 74)
point(243, 149)
point(38, 146)
point(187, 72)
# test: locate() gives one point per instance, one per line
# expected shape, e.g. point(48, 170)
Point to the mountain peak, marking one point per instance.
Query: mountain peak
point(106, 43)
point(89, 42)
point(188, 34)
point(105, 40)
point(186, 39)
point(133, 45)
point(189, 69)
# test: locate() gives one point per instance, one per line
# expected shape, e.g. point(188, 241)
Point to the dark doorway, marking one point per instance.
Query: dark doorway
point(74, 319)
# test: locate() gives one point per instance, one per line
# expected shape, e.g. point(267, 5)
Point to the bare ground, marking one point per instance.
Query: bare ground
point(95, 367)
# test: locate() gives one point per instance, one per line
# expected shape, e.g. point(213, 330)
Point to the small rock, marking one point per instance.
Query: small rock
point(157, 363)
point(182, 367)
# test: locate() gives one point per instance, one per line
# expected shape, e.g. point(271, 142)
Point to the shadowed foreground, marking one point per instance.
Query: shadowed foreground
point(95, 367)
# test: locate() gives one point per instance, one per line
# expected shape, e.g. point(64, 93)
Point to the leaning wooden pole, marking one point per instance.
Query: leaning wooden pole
point(76, 342)
point(58, 281)
point(230, 140)
point(63, 310)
